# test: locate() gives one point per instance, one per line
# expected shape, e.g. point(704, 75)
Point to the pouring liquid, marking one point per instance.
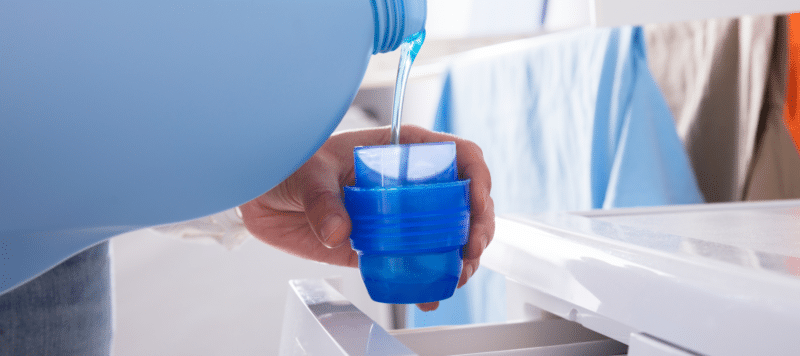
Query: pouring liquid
point(408, 52)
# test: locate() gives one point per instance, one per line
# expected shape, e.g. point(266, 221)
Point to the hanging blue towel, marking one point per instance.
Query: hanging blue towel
point(567, 121)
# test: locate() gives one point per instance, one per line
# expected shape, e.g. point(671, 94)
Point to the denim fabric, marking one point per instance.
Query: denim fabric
point(65, 311)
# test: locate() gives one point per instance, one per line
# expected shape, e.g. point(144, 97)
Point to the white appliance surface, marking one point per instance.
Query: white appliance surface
point(719, 279)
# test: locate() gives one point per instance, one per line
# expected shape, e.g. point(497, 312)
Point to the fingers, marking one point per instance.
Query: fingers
point(481, 203)
point(481, 228)
point(320, 194)
point(472, 166)
point(426, 307)
point(470, 266)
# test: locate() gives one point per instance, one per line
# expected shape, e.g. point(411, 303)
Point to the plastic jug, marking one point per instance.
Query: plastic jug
point(130, 113)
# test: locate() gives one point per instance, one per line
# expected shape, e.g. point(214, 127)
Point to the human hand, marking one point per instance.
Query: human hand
point(304, 215)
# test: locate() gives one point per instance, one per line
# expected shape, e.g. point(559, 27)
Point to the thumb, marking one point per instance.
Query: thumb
point(325, 211)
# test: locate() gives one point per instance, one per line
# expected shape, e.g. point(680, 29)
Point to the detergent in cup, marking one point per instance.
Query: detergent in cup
point(410, 216)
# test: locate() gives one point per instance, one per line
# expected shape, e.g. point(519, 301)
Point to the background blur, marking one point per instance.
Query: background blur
point(196, 297)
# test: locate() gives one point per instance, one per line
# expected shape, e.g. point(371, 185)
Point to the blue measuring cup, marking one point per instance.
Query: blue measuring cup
point(410, 216)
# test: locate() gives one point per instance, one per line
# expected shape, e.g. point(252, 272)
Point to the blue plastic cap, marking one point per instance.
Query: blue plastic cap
point(410, 219)
point(396, 20)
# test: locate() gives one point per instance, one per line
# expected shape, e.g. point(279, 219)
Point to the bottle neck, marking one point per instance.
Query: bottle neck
point(396, 20)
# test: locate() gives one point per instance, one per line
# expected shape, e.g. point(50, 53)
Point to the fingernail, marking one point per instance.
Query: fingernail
point(484, 243)
point(467, 274)
point(471, 271)
point(330, 225)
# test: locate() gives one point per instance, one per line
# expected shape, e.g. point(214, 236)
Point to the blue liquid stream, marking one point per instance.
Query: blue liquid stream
point(408, 52)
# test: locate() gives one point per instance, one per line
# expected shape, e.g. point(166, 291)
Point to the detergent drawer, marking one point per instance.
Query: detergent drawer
point(537, 337)
point(318, 320)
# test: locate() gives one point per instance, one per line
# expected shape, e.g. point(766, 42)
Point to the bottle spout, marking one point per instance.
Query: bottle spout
point(395, 21)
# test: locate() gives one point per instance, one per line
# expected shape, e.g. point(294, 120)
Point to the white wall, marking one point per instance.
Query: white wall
point(481, 18)
point(180, 298)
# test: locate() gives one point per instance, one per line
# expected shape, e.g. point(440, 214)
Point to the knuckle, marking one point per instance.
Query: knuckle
point(317, 198)
point(473, 149)
point(477, 149)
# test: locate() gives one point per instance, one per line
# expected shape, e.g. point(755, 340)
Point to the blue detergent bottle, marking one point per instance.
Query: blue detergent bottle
point(132, 113)
point(410, 217)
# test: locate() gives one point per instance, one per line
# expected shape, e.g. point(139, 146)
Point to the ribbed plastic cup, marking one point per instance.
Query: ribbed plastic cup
point(410, 216)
